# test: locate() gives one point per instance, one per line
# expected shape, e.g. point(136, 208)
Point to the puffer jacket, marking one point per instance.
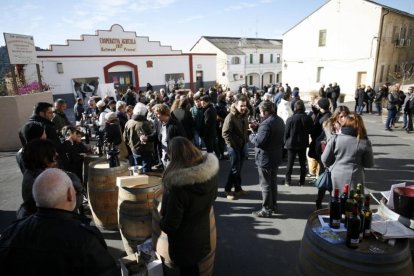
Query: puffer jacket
point(189, 194)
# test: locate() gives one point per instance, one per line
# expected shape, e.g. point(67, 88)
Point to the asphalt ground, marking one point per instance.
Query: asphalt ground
point(247, 245)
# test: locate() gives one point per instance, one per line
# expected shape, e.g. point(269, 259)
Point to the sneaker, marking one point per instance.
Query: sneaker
point(230, 195)
point(274, 209)
point(262, 214)
point(310, 175)
point(240, 193)
point(287, 184)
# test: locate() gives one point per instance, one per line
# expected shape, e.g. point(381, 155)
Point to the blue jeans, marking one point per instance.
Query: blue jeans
point(379, 108)
point(360, 109)
point(390, 117)
point(197, 139)
point(236, 158)
point(144, 160)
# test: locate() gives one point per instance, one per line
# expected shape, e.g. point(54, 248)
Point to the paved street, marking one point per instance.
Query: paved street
point(258, 246)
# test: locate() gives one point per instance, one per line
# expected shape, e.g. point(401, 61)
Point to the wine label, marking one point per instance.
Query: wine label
point(336, 222)
point(354, 241)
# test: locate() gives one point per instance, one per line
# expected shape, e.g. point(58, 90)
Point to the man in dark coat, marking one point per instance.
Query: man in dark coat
point(166, 127)
point(336, 91)
point(297, 132)
point(209, 130)
point(236, 137)
point(60, 119)
point(268, 142)
point(43, 113)
point(54, 241)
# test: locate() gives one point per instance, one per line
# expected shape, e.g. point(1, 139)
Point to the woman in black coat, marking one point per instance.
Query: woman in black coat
point(190, 189)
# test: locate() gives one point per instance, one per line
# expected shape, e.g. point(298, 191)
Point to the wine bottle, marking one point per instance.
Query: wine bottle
point(343, 199)
point(348, 207)
point(367, 217)
point(335, 210)
point(359, 197)
point(354, 225)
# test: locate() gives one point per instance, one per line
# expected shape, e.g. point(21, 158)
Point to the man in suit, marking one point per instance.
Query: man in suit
point(268, 143)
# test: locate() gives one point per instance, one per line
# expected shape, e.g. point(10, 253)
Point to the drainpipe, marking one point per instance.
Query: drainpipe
point(378, 48)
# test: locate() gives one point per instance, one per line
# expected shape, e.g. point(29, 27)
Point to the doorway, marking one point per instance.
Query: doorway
point(361, 78)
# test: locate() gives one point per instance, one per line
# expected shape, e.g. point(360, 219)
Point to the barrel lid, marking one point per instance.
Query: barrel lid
point(132, 180)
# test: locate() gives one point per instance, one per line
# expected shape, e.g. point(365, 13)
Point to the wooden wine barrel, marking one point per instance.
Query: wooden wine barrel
point(103, 192)
point(320, 257)
point(160, 243)
point(86, 161)
point(135, 212)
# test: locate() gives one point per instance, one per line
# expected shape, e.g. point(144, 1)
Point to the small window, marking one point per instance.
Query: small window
point(319, 74)
point(388, 73)
point(251, 58)
point(271, 58)
point(270, 79)
point(382, 73)
point(250, 80)
point(278, 58)
point(322, 38)
point(235, 60)
point(261, 58)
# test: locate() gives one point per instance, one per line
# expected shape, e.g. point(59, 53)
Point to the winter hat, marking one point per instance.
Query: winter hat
point(101, 103)
point(324, 103)
point(140, 109)
point(110, 116)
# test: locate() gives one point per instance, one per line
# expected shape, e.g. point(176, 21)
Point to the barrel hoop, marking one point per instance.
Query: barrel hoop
point(150, 190)
point(139, 218)
point(105, 190)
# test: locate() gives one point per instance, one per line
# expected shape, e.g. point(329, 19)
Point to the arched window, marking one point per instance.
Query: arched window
point(235, 60)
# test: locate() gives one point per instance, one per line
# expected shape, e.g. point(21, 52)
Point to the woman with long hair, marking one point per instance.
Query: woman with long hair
point(348, 153)
point(190, 189)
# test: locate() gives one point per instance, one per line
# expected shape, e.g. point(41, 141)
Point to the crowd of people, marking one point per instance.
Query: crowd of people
point(167, 132)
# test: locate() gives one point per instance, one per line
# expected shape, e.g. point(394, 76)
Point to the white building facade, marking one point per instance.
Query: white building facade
point(117, 59)
point(243, 61)
point(350, 42)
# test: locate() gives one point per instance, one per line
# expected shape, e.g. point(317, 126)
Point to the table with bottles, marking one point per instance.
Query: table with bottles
point(339, 239)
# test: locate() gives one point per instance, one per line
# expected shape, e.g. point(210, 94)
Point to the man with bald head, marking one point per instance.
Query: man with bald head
point(54, 241)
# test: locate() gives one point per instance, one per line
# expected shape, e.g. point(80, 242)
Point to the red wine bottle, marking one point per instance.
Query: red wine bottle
point(354, 225)
point(343, 200)
point(335, 210)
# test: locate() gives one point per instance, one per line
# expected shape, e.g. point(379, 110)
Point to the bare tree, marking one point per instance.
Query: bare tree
point(403, 72)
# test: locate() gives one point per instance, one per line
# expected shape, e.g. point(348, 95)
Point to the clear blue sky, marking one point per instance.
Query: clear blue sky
point(179, 23)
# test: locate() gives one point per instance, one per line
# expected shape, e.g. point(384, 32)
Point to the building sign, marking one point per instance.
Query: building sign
point(21, 48)
point(111, 44)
